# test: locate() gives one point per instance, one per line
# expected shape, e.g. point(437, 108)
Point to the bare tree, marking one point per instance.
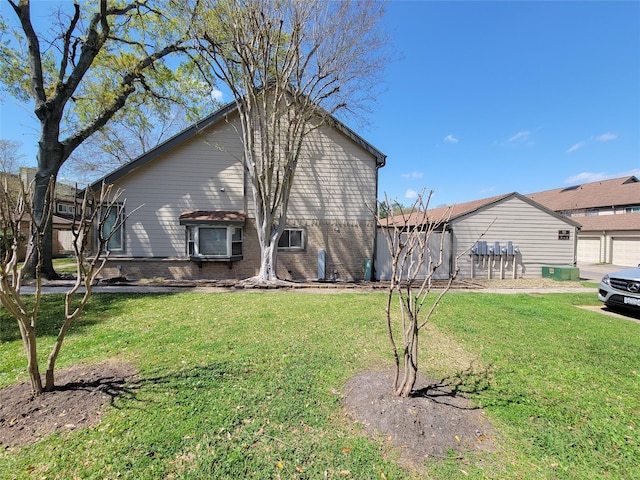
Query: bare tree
point(10, 163)
point(10, 157)
point(416, 255)
point(91, 221)
point(290, 65)
point(409, 234)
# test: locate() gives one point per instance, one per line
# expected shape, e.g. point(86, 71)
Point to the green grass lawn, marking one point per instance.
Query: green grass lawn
point(248, 385)
point(65, 265)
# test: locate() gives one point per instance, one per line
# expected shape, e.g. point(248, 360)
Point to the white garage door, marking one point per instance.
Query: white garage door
point(589, 249)
point(626, 251)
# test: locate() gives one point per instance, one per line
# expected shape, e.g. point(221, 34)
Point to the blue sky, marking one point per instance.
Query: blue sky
point(495, 97)
point(485, 98)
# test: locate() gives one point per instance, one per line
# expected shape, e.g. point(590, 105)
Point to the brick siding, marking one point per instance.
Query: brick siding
point(347, 244)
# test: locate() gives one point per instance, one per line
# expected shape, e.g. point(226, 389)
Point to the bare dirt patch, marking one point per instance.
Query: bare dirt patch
point(77, 402)
point(435, 422)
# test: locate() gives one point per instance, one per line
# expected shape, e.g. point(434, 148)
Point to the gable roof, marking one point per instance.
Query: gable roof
point(458, 211)
point(605, 193)
point(215, 117)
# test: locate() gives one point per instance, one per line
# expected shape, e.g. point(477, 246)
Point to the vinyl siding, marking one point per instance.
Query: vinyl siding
point(532, 230)
point(190, 176)
point(335, 179)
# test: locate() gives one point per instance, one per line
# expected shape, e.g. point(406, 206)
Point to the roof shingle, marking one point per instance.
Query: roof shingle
point(606, 193)
point(599, 223)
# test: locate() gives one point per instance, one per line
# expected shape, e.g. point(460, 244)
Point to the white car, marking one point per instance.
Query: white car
point(621, 289)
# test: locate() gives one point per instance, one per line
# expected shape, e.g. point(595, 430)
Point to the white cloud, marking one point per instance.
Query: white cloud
point(521, 137)
point(487, 190)
point(451, 138)
point(412, 175)
point(216, 95)
point(410, 194)
point(606, 137)
point(576, 146)
point(587, 177)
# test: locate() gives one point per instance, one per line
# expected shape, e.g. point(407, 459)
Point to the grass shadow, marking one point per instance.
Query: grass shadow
point(463, 383)
point(101, 306)
point(185, 383)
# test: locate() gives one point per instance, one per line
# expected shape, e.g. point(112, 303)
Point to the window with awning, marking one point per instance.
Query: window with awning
point(214, 234)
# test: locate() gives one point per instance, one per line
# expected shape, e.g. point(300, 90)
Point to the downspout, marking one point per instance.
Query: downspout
point(374, 253)
point(575, 246)
point(452, 253)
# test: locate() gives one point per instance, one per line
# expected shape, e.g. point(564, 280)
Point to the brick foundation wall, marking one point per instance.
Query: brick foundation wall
point(348, 245)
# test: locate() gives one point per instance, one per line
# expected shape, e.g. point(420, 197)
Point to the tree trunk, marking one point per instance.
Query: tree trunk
point(269, 231)
point(268, 257)
point(32, 361)
point(410, 373)
point(49, 383)
point(55, 351)
point(50, 159)
point(45, 230)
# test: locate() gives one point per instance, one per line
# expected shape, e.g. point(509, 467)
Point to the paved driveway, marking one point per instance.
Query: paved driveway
point(594, 273)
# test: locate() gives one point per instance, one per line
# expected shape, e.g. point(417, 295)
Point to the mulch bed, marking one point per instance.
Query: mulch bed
point(433, 423)
point(77, 402)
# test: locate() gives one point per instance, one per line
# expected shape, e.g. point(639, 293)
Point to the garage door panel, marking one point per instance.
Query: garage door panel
point(625, 251)
point(588, 249)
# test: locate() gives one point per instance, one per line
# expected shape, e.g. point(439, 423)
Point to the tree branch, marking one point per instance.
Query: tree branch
point(127, 87)
point(35, 62)
point(66, 53)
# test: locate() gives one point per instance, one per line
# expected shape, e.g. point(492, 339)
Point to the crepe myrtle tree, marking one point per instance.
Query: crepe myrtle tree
point(87, 66)
point(415, 258)
point(416, 254)
point(290, 65)
point(91, 220)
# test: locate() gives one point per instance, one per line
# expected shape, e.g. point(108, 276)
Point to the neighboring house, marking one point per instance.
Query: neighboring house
point(609, 212)
point(194, 210)
point(611, 239)
point(506, 236)
point(67, 208)
point(63, 212)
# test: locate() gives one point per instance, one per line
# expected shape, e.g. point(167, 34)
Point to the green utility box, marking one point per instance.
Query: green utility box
point(561, 273)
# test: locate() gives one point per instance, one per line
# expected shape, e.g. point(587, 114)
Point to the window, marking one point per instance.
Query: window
point(292, 239)
point(214, 235)
point(113, 222)
point(632, 210)
point(62, 208)
point(223, 242)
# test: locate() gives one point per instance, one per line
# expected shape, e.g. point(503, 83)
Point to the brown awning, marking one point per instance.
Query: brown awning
point(212, 217)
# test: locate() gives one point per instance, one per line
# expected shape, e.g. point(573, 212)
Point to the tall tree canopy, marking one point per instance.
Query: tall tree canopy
point(290, 65)
point(89, 65)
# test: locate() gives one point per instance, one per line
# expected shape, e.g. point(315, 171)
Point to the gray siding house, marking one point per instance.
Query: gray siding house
point(520, 237)
point(195, 214)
